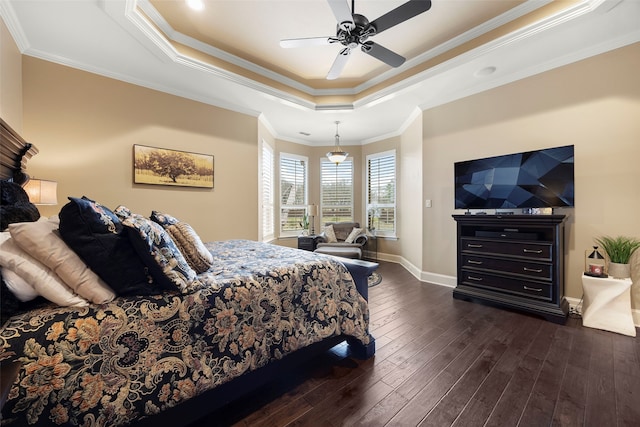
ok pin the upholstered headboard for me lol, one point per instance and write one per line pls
(14, 153)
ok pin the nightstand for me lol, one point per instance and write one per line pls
(308, 243)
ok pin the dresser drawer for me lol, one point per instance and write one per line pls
(536, 250)
(522, 267)
(536, 290)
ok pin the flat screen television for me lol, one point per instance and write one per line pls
(532, 179)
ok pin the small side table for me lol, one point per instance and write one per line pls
(607, 304)
(308, 243)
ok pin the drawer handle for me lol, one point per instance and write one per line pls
(526, 288)
(473, 246)
(532, 251)
(532, 270)
(470, 261)
(477, 279)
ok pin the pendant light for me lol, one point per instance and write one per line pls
(338, 155)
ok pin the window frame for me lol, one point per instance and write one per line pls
(295, 157)
(369, 207)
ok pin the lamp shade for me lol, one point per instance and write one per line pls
(337, 156)
(42, 192)
(313, 210)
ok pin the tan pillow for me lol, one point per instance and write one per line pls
(187, 240)
(191, 246)
(41, 240)
(353, 235)
(330, 233)
(44, 281)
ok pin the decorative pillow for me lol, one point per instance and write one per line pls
(158, 251)
(18, 286)
(187, 240)
(330, 233)
(353, 235)
(41, 240)
(96, 234)
(44, 281)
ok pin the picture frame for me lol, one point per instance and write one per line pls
(164, 166)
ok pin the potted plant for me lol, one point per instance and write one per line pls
(305, 224)
(619, 250)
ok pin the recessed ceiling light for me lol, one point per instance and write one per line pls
(195, 4)
(483, 72)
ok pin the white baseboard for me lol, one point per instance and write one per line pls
(450, 281)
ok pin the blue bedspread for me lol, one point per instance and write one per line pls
(115, 363)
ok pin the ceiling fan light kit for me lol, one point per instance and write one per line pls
(353, 30)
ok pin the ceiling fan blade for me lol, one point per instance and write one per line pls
(339, 63)
(308, 41)
(400, 14)
(383, 54)
(342, 12)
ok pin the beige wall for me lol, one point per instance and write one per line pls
(410, 200)
(10, 80)
(85, 127)
(593, 104)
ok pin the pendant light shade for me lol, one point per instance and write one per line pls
(338, 155)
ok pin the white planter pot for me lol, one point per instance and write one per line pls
(619, 271)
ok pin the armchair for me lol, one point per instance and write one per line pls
(340, 247)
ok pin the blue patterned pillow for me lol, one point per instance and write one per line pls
(158, 251)
(96, 234)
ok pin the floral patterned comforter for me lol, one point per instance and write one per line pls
(112, 364)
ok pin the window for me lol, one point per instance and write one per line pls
(381, 193)
(293, 193)
(336, 191)
(267, 197)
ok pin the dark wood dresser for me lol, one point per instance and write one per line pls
(514, 261)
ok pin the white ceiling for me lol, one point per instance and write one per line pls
(237, 66)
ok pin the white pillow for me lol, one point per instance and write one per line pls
(18, 286)
(353, 235)
(44, 281)
(330, 233)
(41, 241)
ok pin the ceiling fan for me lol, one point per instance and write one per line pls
(354, 30)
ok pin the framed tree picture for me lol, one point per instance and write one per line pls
(161, 166)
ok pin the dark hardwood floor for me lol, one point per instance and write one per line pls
(444, 362)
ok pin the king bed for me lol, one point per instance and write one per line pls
(170, 328)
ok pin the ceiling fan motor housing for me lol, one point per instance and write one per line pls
(357, 34)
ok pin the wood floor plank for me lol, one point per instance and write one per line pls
(508, 411)
(481, 405)
(541, 405)
(601, 404)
